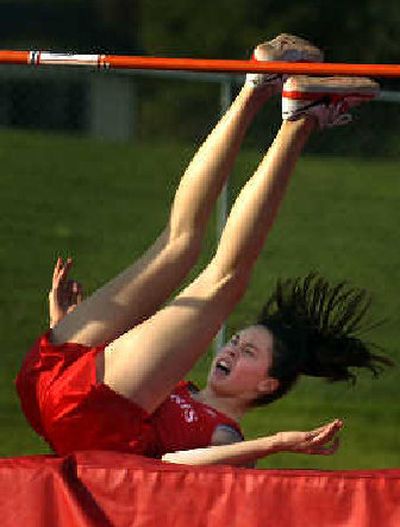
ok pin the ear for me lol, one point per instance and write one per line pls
(268, 385)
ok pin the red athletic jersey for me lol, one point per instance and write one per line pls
(66, 405)
(182, 423)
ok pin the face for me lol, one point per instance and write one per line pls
(240, 368)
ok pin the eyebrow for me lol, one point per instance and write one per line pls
(250, 345)
(244, 342)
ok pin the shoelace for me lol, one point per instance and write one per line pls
(331, 115)
(336, 115)
(341, 120)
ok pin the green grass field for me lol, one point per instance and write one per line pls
(105, 203)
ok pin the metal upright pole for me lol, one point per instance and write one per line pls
(222, 203)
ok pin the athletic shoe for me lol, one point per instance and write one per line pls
(283, 48)
(327, 98)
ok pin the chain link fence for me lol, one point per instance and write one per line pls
(173, 106)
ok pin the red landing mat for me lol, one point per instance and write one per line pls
(118, 490)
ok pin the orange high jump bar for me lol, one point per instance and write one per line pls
(38, 58)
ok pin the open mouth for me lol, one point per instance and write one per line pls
(222, 366)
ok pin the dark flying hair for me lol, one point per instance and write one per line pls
(316, 330)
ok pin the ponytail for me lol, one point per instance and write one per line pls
(316, 330)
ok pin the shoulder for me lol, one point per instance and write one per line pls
(225, 434)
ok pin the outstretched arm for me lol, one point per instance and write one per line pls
(321, 441)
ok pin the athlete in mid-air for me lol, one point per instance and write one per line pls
(108, 375)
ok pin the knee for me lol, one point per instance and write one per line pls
(186, 246)
(232, 283)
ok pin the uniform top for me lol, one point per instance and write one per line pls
(183, 423)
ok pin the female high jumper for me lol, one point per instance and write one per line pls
(108, 375)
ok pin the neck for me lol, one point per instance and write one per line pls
(232, 407)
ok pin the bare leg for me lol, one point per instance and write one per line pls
(145, 363)
(143, 287)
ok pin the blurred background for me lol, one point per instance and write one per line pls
(90, 160)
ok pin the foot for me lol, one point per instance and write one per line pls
(283, 48)
(328, 99)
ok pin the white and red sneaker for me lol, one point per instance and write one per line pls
(327, 98)
(283, 48)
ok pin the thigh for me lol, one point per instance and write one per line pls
(146, 363)
(132, 296)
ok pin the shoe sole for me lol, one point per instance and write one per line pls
(311, 88)
(288, 48)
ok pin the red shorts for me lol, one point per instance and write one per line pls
(67, 406)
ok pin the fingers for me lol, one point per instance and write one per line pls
(324, 433)
(332, 448)
(61, 270)
(77, 290)
(65, 294)
(323, 440)
(74, 293)
(335, 423)
(56, 273)
(324, 450)
(65, 269)
(57, 268)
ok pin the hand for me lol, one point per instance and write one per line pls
(322, 440)
(65, 294)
